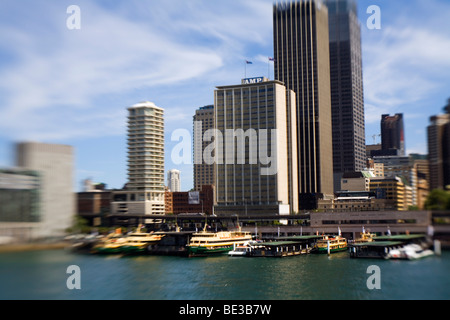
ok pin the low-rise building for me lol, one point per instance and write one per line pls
(351, 201)
(94, 205)
(193, 201)
(392, 189)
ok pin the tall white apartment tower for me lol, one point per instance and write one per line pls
(144, 194)
(54, 163)
(173, 180)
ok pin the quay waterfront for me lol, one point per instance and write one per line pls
(436, 223)
(41, 274)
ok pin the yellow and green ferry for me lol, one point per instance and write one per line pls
(336, 244)
(206, 243)
(111, 244)
(135, 242)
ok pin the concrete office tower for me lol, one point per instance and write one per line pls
(255, 149)
(144, 194)
(54, 163)
(439, 151)
(19, 204)
(203, 121)
(173, 180)
(392, 135)
(347, 97)
(302, 63)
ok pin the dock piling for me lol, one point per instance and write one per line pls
(437, 247)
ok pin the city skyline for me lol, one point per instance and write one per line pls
(73, 86)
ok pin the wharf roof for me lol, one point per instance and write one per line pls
(400, 237)
(278, 243)
(300, 238)
(377, 244)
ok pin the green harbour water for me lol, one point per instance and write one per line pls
(42, 275)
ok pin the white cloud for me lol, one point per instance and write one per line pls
(55, 84)
(404, 65)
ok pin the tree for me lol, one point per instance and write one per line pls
(438, 200)
(80, 225)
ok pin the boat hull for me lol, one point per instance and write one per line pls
(332, 250)
(208, 250)
(107, 250)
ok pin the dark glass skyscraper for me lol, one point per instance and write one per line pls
(392, 133)
(302, 63)
(439, 151)
(347, 96)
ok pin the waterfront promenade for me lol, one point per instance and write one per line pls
(33, 246)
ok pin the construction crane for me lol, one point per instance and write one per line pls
(375, 138)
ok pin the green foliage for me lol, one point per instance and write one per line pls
(438, 200)
(80, 225)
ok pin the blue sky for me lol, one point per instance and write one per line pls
(73, 86)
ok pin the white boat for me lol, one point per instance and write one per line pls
(410, 252)
(242, 250)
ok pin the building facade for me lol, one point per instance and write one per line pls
(302, 63)
(55, 165)
(439, 151)
(356, 181)
(174, 180)
(205, 204)
(255, 149)
(144, 193)
(392, 135)
(355, 201)
(203, 172)
(347, 92)
(19, 204)
(392, 189)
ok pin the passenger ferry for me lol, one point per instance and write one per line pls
(138, 242)
(111, 244)
(337, 244)
(205, 243)
(365, 237)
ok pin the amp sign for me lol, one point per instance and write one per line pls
(254, 80)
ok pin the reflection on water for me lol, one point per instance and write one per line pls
(42, 275)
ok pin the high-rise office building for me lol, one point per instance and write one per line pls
(144, 193)
(439, 151)
(392, 135)
(302, 63)
(347, 97)
(256, 170)
(173, 180)
(203, 172)
(54, 164)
